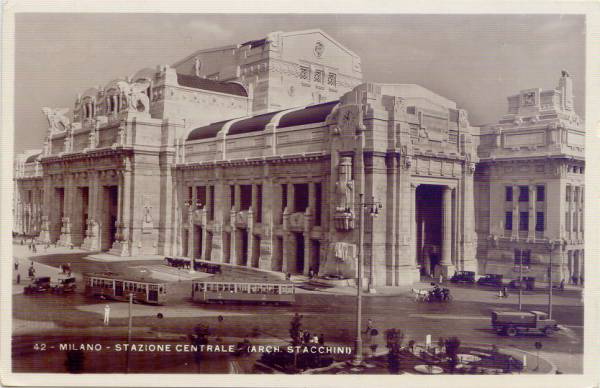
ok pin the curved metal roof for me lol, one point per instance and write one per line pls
(191, 81)
(251, 124)
(207, 131)
(32, 158)
(309, 115)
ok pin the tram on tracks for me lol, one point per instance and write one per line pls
(221, 290)
(118, 287)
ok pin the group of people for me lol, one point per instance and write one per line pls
(308, 338)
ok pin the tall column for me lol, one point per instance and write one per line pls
(92, 234)
(446, 268)
(532, 214)
(413, 222)
(65, 218)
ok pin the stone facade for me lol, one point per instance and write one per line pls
(271, 154)
(530, 187)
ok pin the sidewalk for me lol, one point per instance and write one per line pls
(22, 255)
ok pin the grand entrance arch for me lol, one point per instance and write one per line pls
(434, 229)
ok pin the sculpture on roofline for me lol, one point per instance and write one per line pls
(57, 119)
(135, 94)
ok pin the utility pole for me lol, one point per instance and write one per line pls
(552, 244)
(358, 357)
(129, 332)
(373, 207)
(520, 277)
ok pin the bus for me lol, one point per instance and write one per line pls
(118, 287)
(212, 290)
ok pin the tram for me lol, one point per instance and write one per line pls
(118, 287)
(213, 290)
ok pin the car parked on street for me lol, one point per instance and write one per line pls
(490, 279)
(528, 283)
(38, 285)
(463, 277)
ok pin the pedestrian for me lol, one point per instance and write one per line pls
(106, 314)
(561, 286)
(18, 278)
(311, 273)
(441, 278)
(306, 337)
(321, 339)
(288, 276)
(16, 265)
(369, 327)
(505, 292)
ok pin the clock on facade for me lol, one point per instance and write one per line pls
(528, 98)
(319, 49)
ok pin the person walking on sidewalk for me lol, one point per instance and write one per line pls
(106, 315)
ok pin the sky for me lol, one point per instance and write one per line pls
(475, 60)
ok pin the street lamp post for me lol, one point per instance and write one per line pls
(552, 245)
(520, 277)
(373, 208)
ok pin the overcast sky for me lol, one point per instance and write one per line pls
(475, 60)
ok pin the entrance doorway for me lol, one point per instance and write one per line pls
(243, 255)
(80, 225)
(315, 255)
(109, 227)
(197, 242)
(429, 227)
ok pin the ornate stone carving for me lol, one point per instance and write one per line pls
(463, 118)
(137, 100)
(407, 162)
(57, 120)
(296, 221)
(344, 191)
(147, 221)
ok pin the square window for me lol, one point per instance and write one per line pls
(318, 76)
(508, 194)
(524, 221)
(331, 79)
(508, 221)
(304, 73)
(541, 193)
(539, 222)
(523, 194)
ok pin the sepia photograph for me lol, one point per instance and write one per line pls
(311, 194)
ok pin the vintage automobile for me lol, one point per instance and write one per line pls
(512, 323)
(463, 277)
(64, 285)
(490, 279)
(528, 283)
(38, 285)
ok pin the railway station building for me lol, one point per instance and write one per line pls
(268, 154)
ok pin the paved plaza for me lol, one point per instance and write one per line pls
(76, 318)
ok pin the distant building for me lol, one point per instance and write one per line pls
(530, 187)
(257, 155)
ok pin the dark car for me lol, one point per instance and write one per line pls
(463, 277)
(37, 285)
(528, 283)
(490, 279)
